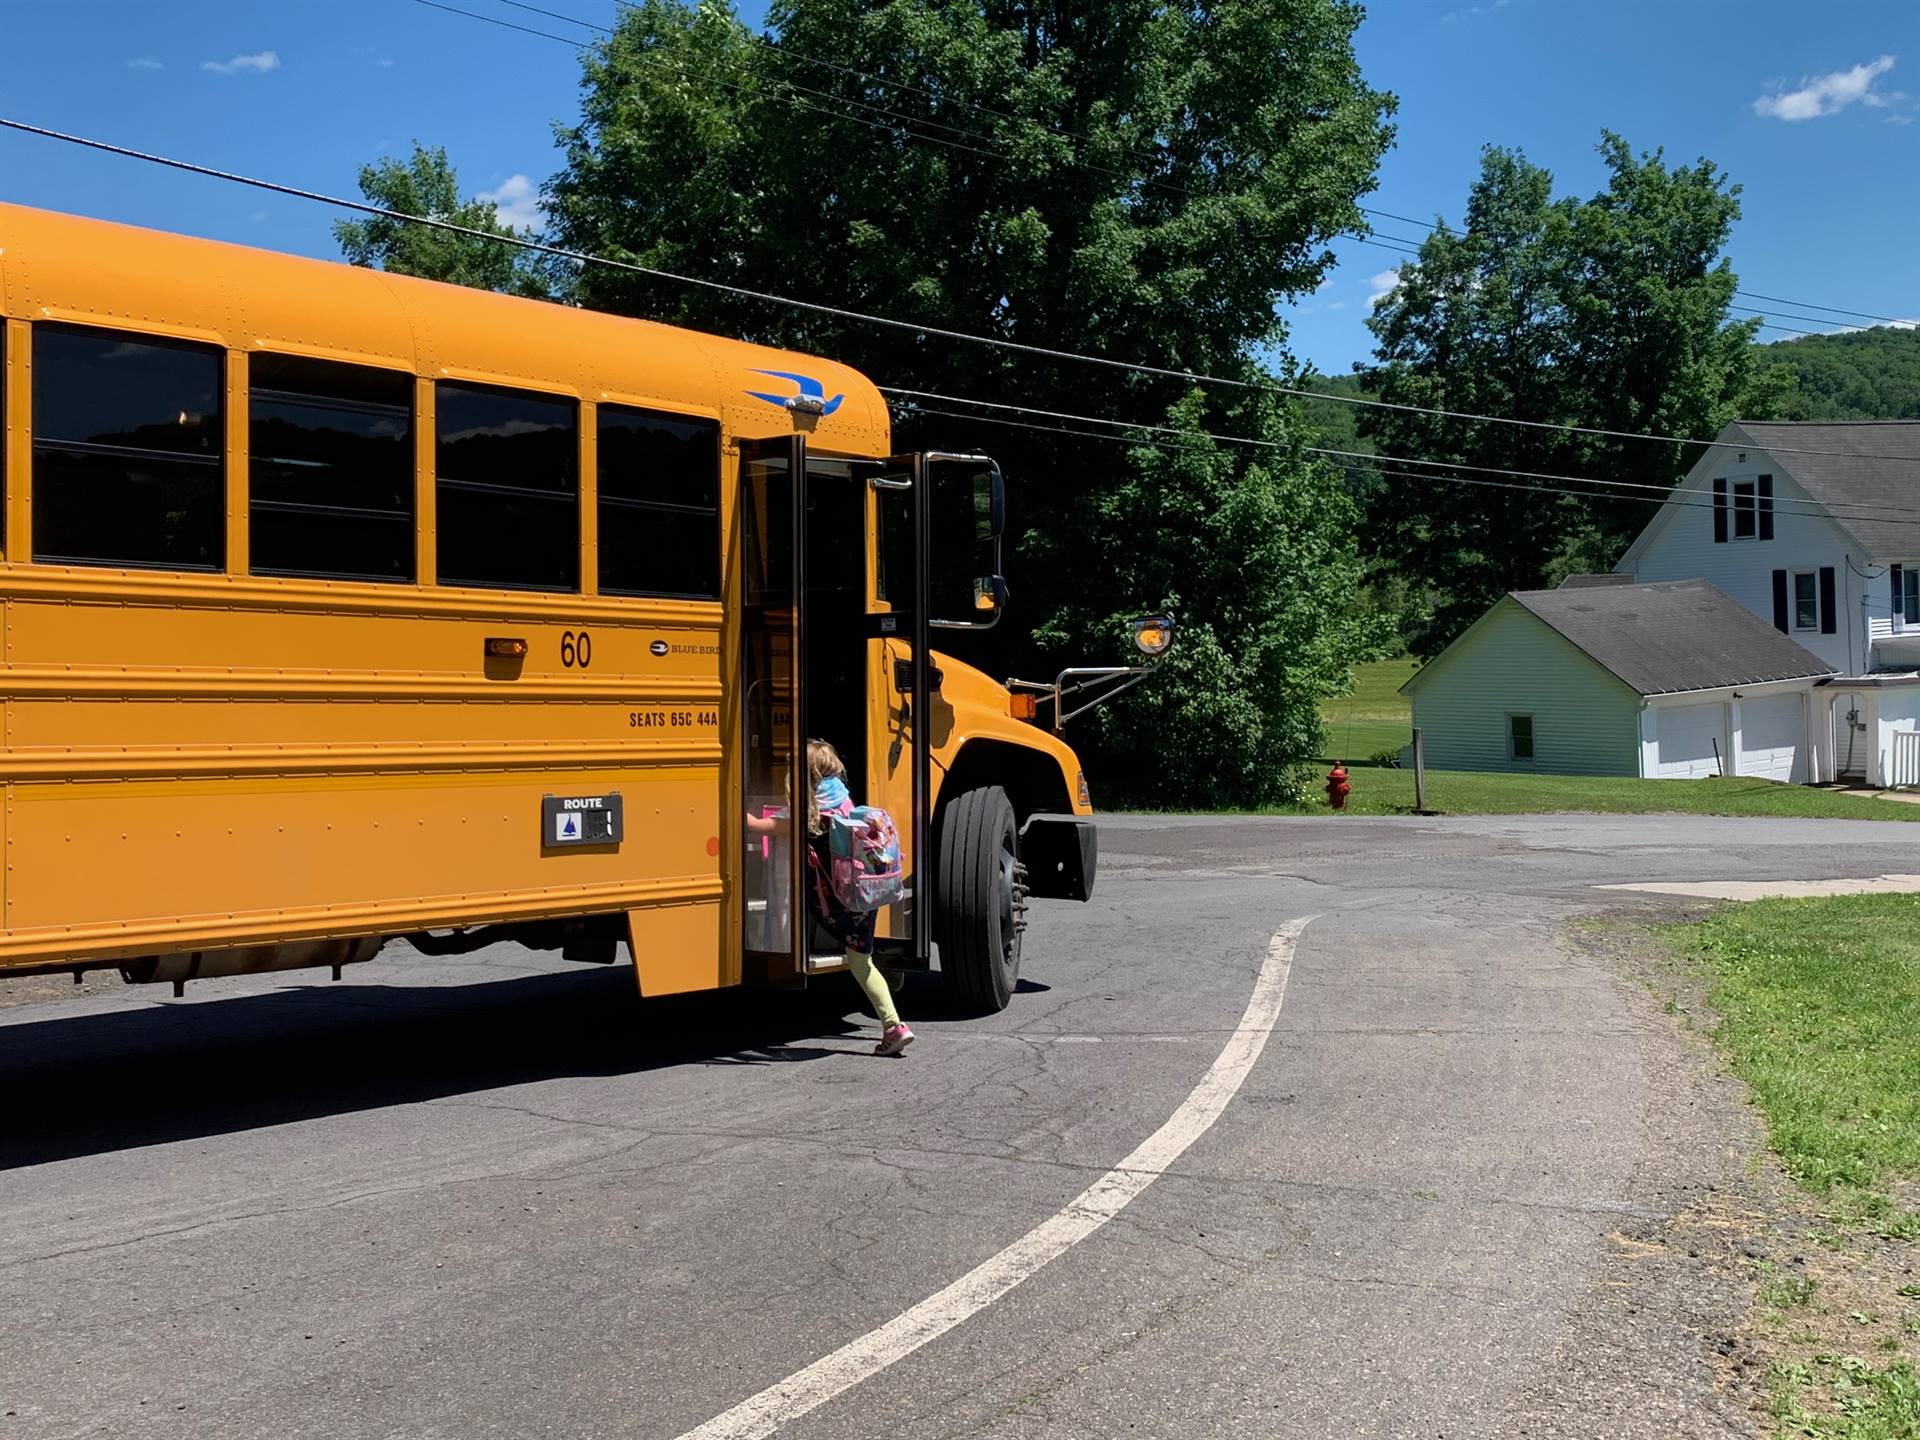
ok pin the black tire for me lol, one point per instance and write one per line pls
(980, 899)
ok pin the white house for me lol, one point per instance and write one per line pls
(1815, 527)
(1661, 681)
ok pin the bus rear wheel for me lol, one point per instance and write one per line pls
(980, 903)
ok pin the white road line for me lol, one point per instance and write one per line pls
(861, 1359)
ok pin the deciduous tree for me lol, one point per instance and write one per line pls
(1610, 313)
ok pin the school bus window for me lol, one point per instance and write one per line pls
(659, 504)
(127, 451)
(507, 483)
(331, 459)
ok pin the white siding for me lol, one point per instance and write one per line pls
(1678, 545)
(1585, 722)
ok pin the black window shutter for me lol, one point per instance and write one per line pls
(1720, 512)
(1780, 601)
(1829, 622)
(1764, 491)
(1898, 609)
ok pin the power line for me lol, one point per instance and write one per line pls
(1398, 244)
(1843, 509)
(766, 42)
(1018, 347)
(1830, 309)
(661, 63)
(1349, 466)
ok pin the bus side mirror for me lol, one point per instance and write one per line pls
(1153, 635)
(966, 498)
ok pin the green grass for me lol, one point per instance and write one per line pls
(1378, 791)
(1859, 1401)
(1820, 1014)
(1374, 717)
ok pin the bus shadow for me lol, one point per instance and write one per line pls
(97, 1083)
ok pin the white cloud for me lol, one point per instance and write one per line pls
(258, 63)
(516, 201)
(1384, 284)
(1828, 94)
(145, 62)
(1336, 305)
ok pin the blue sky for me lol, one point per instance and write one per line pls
(1810, 108)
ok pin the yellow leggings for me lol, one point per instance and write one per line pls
(875, 984)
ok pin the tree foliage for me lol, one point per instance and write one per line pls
(1137, 181)
(1863, 375)
(425, 185)
(1610, 313)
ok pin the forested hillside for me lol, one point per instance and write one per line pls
(1862, 375)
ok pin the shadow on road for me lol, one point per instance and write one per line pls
(95, 1083)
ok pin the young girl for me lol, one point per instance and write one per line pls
(826, 793)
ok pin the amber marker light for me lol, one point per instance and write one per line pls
(1023, 707)
(501, 648)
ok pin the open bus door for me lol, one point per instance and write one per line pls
(805, 631)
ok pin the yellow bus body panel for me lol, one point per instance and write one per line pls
(198, 761)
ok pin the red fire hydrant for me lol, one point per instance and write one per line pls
(1337, 787)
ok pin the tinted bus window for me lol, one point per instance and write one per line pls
(659, 504)
(128, 437)
(507, 478)
(331, 463)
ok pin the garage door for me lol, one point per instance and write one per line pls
(1685, 738)
(1772, 736)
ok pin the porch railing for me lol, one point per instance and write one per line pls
(1904, 768)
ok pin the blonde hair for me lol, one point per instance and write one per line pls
(822, 760)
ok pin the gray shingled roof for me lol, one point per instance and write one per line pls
(1679, 635)
(1859, 473)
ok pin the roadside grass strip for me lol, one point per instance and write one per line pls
(1819, 1013)
(1381, 791)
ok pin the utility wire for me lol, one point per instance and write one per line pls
(1350, 466)
(1842, 509)
(1399, 244)
(1061, 131)
(1017, 347)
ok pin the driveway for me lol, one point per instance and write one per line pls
(1435, 1190)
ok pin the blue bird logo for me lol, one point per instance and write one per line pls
(809, 389)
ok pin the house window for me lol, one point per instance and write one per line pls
(1520, 737)
(1806, 600)
(1745, 508)
(1910, 596)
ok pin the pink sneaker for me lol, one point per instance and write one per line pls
(894, 1039)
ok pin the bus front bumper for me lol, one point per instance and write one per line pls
(1061, 854)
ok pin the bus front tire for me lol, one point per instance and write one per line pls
(981, 900)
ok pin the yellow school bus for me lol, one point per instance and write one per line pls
(342, 607)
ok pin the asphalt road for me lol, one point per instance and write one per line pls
(495, 1196)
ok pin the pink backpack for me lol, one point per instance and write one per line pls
(865, 849)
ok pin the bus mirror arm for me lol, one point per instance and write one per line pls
(1093, 685)
(1074, 684)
